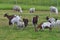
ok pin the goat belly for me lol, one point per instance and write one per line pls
(46, 27)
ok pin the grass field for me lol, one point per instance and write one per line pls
(34, 2)
(26, 4)
(12, 33)
(42, 10)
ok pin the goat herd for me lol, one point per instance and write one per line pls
(22, 23)
(32, 10)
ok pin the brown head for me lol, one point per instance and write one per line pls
(25, 21)
(47, 17)
(36, 16)
(5, 15)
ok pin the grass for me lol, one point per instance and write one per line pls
(34, 2)
(26, 4)
(12, 33)
(24, 7)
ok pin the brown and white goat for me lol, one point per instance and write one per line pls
(10, 17)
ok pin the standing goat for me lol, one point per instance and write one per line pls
(10, 17)
(34, 21)
(14, 19)
(25, 21)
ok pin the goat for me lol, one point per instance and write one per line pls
(16, 19)
(17, 8)
(54, 21)
(32, 10)
(25, 21)
(53, 9)
(44, 25)
(20, 24)
(10, 17)
(34, 21)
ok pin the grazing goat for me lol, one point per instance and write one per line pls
(53, 9)
(44, 25)
(50, 19)
(32, 10)
(35, 20)
(25, 21)
(17, 8)
(54, 21)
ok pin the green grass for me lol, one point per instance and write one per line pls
(26, 4)
(34, 2)
(12, 33)
(24, 7)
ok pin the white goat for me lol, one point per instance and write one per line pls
(54, 21)
(51, 19)
(57, 23)
(20, 24)
(54, 9)
(17, 8)
(32, 10)
(50, 25)
(46, 25)
(16, 19)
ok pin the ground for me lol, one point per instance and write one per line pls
(12, 33)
